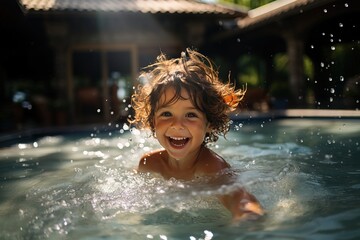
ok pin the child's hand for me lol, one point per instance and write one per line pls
(249, 211)
(242, 205)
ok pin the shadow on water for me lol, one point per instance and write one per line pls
(19, 174)
(17, 168)
(190, 216)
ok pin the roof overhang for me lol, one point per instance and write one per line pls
(133, 6)
(277, 10)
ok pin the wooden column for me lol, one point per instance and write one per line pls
(295, 51)
(58, 38)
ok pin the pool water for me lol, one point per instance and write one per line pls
(82, 185)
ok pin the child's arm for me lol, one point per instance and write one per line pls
(242, 204)
(239, 202)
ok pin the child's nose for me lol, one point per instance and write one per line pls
(177, 124)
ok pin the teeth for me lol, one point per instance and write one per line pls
(178, 138)
(178, 141)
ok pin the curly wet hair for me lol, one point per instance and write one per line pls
(196, 74)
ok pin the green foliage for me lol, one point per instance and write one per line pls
(280, 84)
(251, 70)
(308, 67)
(247, 3)
(346, 59)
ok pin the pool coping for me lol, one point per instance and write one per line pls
(25, 134)
(295, 113)
(239, 115)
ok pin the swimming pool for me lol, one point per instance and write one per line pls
(81, 185)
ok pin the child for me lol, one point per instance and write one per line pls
(185, 106)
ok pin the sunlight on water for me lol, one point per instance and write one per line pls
(85, 185)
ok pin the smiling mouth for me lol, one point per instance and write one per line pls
(178, 141)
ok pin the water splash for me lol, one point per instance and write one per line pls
(86, 185)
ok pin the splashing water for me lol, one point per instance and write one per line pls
(83, 186)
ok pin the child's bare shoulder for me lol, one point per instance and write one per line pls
(151, 162)
(211, 163)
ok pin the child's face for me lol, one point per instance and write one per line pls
(180, 128)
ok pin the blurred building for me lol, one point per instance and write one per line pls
(76, 61)
(306, 53)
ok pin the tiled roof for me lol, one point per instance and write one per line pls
(137, 6)
(277, 9)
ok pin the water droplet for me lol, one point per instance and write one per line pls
(322, 64)
(57, 227)
(208, 235)
(21, 212)
(346, 5)
(333, 48)
(238, 39)
(332, 90)
(328, 156)
(126, 127)
(325, 10)
(98, 110)
(330, 79)
(341, 25)
(312, 46)
(22, 146)
(331, 99)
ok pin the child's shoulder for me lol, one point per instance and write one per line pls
(154, 154)
(150, 161)
(210, 163)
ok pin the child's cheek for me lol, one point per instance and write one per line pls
(160, 123)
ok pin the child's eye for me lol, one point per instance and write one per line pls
(191, 115)
(165, 114)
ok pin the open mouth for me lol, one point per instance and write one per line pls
(178, 141)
